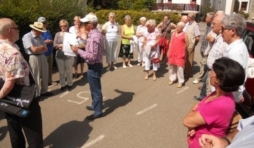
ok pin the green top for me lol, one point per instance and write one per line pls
(128, 31)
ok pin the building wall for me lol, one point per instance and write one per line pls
(248, 8)
(179, 1)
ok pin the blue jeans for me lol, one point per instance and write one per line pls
(94, 80)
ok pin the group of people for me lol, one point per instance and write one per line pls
(14, 69)
(223, 73)
(84, 42)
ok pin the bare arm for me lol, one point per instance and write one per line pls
(186, 41)
(193, 119)
(7, 87)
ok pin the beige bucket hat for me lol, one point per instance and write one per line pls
(38, 26)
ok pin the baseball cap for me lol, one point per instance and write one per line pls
(42, 19)
(89, 18)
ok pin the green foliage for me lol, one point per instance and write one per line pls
(204, 11)
(135, 16)
(245, 15)
(137, 5)
(25, 12)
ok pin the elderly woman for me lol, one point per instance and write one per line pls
(179, 43)
(165, 27)
(214, 113)
(127, 33)
(141, 30)
(78, 60)
(152, 51)
(110, 29)
(64, 63)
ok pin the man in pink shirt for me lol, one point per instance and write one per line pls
(93, 56)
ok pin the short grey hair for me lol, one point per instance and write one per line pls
(4, 25)
(181, 24)
(111, 14)
(151, 22)
(235, 21)
(127, 17)
(142, 19)
(192, 15)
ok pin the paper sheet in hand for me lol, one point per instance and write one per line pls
(69, 39)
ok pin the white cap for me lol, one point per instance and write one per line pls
(89, 18)
(41, 19)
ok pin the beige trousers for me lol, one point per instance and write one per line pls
(189, 61)
(39, 67)
(176, 72)
(65, 69)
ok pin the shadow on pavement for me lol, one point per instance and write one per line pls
(4, 129)
(123, 99)
(69, 135)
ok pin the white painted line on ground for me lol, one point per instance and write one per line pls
(84, 99)
(146, 109)
(93, 141)
(65, 93)
(182, 90)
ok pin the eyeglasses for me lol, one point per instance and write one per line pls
(63, 26)
(112, 17)
(225, 28)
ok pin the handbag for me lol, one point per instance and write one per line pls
(155, 60)
(20, 95)
(18, 101)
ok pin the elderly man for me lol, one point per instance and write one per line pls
(193, 33)
(217, 50)
(49, 53)
(15, 70)
(204, 45)
(35, 47)
(232, 29)
(93, 56)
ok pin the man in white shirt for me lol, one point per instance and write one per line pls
(232, 29)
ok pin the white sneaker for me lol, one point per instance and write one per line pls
(115, 67)
(124, 66)
(196, 81)
(130, 65)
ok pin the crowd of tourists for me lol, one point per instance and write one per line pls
(222, 67)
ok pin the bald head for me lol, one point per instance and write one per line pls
(220, 13)
(5, 23)
(184, 19)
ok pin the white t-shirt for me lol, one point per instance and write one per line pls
(141, 29)
(111, 31)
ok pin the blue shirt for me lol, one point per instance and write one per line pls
(47, 36)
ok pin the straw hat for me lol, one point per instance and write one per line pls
(38, 26)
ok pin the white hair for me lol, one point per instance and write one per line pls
(127, 17)
(181, 24)
(111, 14)
(142, 19)
(151, 22)
(235, 21)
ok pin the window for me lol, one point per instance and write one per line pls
(244, 6)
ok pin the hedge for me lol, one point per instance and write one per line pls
(135, 16)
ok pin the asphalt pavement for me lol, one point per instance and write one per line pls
(138, 113)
